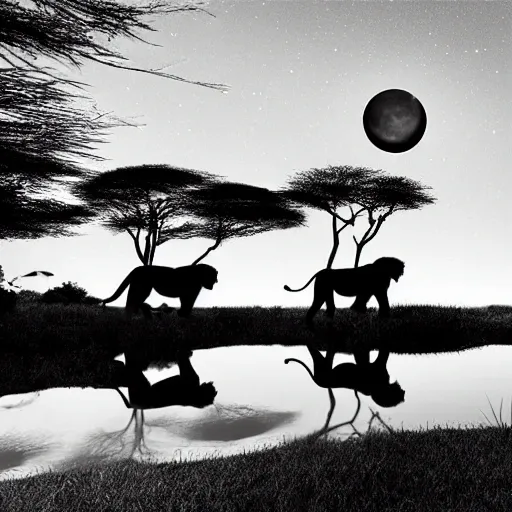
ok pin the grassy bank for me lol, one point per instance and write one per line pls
(436, 470)
(411, 329)
(440, 469)
(62, 346)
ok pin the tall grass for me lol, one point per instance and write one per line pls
(411, 329)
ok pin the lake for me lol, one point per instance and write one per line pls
(260, 402)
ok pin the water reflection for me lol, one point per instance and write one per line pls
(87, 434)
(371, 379)
(183, 389)
(259, 402)
(16, 451)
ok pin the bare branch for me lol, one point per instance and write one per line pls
(72, 31)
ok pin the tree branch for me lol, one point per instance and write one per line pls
(210, 249)
(136, 242)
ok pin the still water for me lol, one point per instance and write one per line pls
(260, 402)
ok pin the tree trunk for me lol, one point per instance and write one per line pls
(359, 249)
(136, 242)
(147, 249)
(335, 242)
(153, 246)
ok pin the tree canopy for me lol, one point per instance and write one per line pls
(330, 189)
(143, 198)
(384, 195)
(232, 210)
(26, 217)
(43, 129)
(361, 190)
(47, 124)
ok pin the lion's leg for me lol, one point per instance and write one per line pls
(382, 299)
(138, 387)
(318, 300)
(187, 372)
(360, 302)
(130, 310)
(382, 358)
(137, 294)
(362, 356)
(187, 302)
(331, 308)
(146, 310)
(322, 366)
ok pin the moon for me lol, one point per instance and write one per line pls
(394, 121)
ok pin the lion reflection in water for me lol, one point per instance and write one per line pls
(184, 389)
(370, 379)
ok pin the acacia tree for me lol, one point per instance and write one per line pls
(44, 125)
(384, 195)
(142, 199)
(331, 189)
(234, 210)
(363, 191)
(40, 131)
(39, 114)
(23, 216)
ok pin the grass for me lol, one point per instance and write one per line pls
(437, 469)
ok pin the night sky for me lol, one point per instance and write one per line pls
(300, 76)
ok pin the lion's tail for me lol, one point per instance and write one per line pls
(121, 289)
(288, 289)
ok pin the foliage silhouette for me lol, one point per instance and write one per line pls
(67, 293)
(383, 196)
(143, 198)
(23, 216)
(45, 125)
(73, 32)
(330, 189)
(234, 210)
(362, 191)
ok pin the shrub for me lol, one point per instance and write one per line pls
(54, 297)
(25, 296)
(90, 300)
(66, 293)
